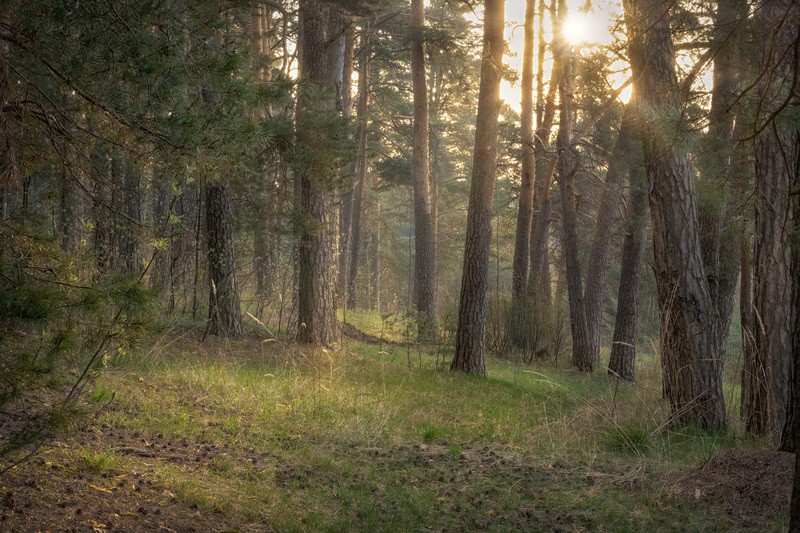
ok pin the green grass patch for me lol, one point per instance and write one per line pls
(384, 438)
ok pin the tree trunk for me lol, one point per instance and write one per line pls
(425, 254)
(316, 178)
(718, 225)
(69, 211)
(520, 303)
(773, 168)
(567, 167)
(346, 212)
(608, 214)
(622, 363)
(791, 429)
(224, 310)
(9, 170)
(689, 329)
(161, 275)
(471, 332)
(102, 213)
(357, 207)
(128, 215)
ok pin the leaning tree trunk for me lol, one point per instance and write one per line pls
(689, 336)
(622, 363)
(519, 279)
(471, 332)
(425, 255)
(224, 310)
(316, 180)
(608, 214)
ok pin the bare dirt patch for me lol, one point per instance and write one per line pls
(754, 487)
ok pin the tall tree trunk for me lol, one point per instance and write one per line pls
(128, 216)
(773, 169)
(539, 275)
(791, 429)
(567, 167)
(425, 255)
(161, 275)
(224, 309)
(623, 347)
(689, 336)
(790, 440)
(717, 212)
(471, 332)
(69, 212)
(9, 170)
(520, 303)
(102, 213)
(346, 212)
(316, 179)
(376, 264)
(361, 168)
(608, 215)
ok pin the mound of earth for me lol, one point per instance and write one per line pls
(352, 332)
(754, 486)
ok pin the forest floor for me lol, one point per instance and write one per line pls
(262, 435)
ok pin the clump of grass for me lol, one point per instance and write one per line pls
(103, 462)
(430, 433)
(629, 439)
(100, 393)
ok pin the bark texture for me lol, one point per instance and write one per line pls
(691, 358)
(719, 224)
(471, 332)
(622, 363)
(316, 172)
(9, 169)
(774, 166)
(424, 253)
(224, 310)
(519, 280)
(608, 215)
(357, 209)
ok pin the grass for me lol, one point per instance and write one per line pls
(386, 440)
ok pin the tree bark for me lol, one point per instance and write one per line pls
(689, 329)
(471, 331)
(622, 363)
(539, 275)
(717, 211)
(224, 310)
(424, 253)
(361, 169)
(520, 303)
(608, 215)
(773, 168)
(316, 174)
(567, 168)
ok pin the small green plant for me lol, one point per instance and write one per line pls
(629, 439)
(103, 462)
(101, 393)
(430, 433)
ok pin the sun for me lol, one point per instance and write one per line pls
(576, 28)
